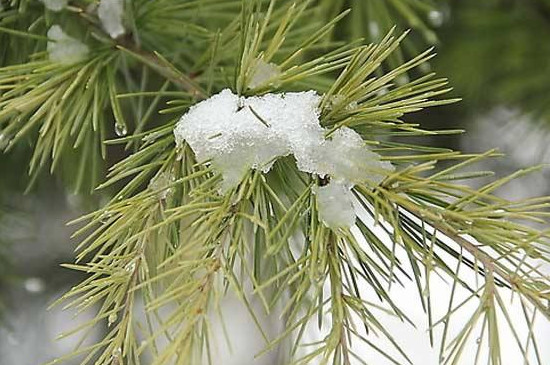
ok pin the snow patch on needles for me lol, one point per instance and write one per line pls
(110, 14)
(236, 134)
(335, 204)
(63, 48)
(55, 5)
(346, 157)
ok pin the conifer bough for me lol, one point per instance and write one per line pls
(260, 216)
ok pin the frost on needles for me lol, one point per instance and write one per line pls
(236, 134)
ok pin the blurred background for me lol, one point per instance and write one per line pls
(496, 55)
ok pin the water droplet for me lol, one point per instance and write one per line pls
(34, 285)
(478, 340)
(111, 319)
(121, 130)
(435, 18)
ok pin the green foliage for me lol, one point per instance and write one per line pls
(15, 19)
(76, 107)
(64, 102)
(168, 238)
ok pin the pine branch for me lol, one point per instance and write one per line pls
(406, 204)
(178, 236)
(127, 44)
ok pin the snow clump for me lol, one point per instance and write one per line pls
(236, 134)
(110, 14)
(335, 203)
(55, 5)
(63, 48)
